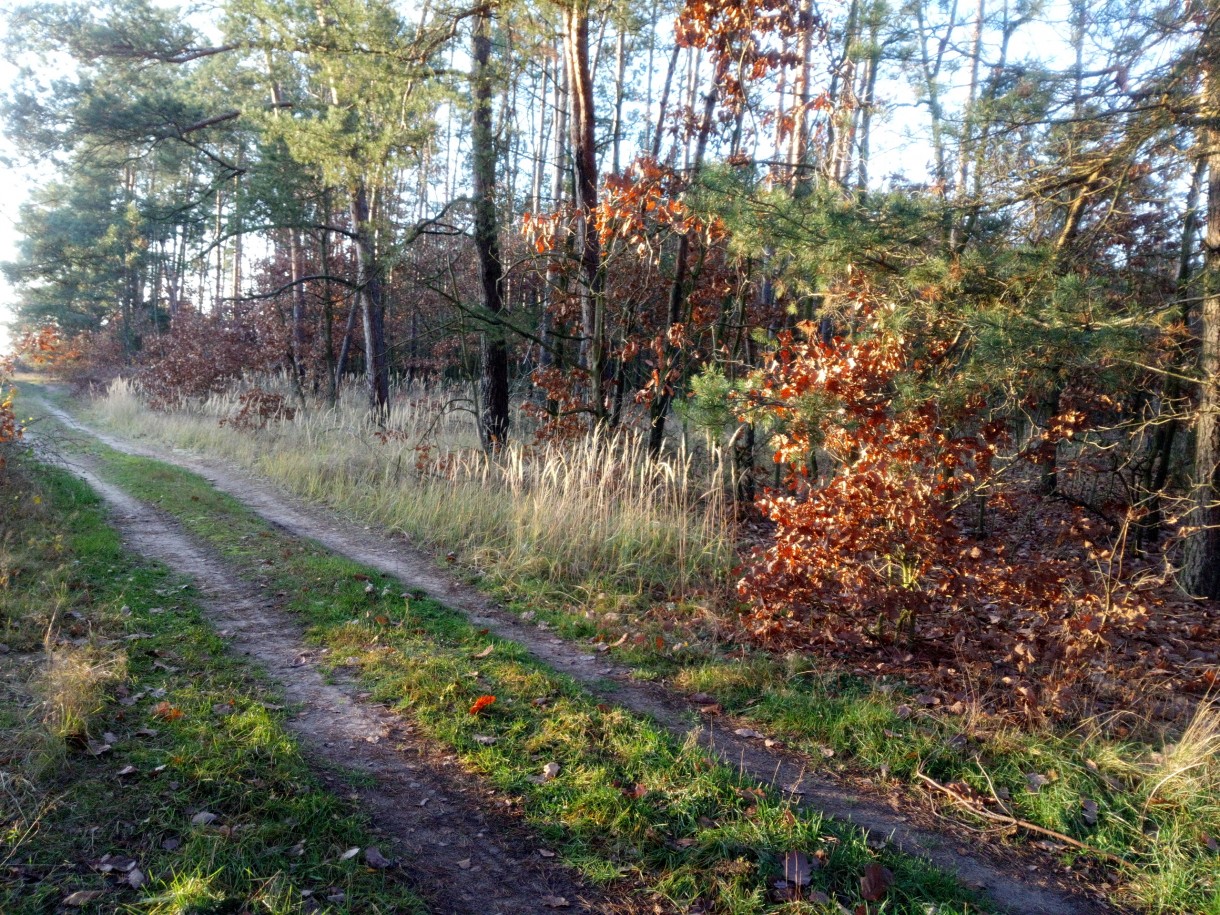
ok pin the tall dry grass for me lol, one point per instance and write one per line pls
(581, 518)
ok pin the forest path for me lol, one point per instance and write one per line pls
(462, 855)
(1012, 882)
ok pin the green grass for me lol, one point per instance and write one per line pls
(629, 801)
(873, 727)
(279, 833)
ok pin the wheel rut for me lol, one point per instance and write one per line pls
(458, 852)
(1022, 887)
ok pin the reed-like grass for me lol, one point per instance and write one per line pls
(579, 518)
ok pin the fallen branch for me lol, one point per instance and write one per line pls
(1004, 818)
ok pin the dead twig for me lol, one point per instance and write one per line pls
(986, 814)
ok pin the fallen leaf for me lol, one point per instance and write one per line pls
(486, 652)
(223, 708)
(484, 740)
(550, 770)
(555, 902)
(546, 853)
(797, 868)
(876, 882)
(127, 770)
(83, 897)
(166, 712)
(204, 818)
(748, 732)
(375, 859)
(93, 748)
(1036, 781)
(350, 853)
(464, 864)
(481, 703)
(903, 712)
(171, 844)
(1088, 808)
(136, 878)
(146, 732)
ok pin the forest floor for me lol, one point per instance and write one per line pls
(484, 798)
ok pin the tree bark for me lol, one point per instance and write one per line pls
(584, 155)
(678, 293)
(493, 417)
(371, 298)
(1201, 561)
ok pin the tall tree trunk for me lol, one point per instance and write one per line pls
(584, 156)
(616, 127)
(493, 419)
(678, 293)
(371, 298)
(658, 129)
(296, 260)
(1201, 562)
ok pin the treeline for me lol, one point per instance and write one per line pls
(616, 211)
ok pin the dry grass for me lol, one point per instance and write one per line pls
(72, 687)
(580, 518)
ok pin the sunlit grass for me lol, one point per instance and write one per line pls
(1155, 792)
(579, 517)
(71, 603)
(628, 799)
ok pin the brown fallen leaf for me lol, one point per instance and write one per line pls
(486, 652)
(797, 868)
(83, 897)
(1088, 808)
(1035, 781)
(223, 708)
(876, 882)
(93, 748)
(166, 712)
(375, 859)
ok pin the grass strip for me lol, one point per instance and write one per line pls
(1148, 798)
(607, 791)
(174, 787)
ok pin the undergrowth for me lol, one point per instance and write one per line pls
(110, 748)
(1147, 798)
(623, 799)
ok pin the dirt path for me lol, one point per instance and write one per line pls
(1013, 884)
(461, 856)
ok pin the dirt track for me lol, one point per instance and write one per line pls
(334, 722)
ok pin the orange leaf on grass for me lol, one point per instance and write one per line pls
(166, 712)
(481, 703)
